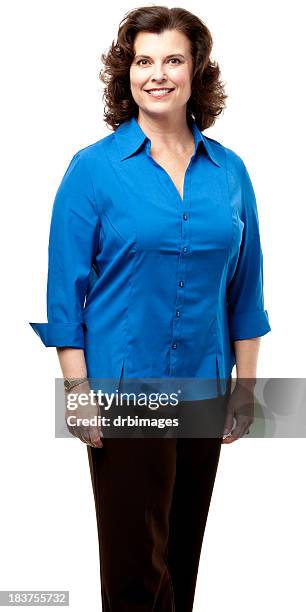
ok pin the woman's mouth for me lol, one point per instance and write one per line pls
(160, 93)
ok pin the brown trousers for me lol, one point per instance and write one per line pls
(152, 497)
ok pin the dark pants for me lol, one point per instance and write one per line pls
(152, 498)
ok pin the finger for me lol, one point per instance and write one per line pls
(235, 435)
(85, 434)
(94, 436)
(239, 431)
(229, 439)
(81, 434)
(228, 425)
(244, 426)
(100, 433)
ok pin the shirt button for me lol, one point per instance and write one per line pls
(177, 313)
(174, 345)
(185, 216)
(185, 249)
(181, 283)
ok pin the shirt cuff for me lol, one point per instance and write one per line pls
(249, 324)
(60, 334)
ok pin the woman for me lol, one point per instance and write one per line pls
(155, 228)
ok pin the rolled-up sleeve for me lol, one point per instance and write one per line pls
(247, 315)
(73, 244)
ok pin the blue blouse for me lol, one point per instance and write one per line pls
(147, 283)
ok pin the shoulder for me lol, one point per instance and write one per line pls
(84, 166)
(96, 148)
(238, 176)
(227, 157)
(91, 156)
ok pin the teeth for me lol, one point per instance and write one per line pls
(158, 92)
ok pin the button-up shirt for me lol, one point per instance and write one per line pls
(148, 283)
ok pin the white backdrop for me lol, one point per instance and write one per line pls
(254, 544)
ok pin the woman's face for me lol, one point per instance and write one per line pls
(161, 60)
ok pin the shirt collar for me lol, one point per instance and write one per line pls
(130, 137)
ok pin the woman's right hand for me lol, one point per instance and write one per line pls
(80, 411)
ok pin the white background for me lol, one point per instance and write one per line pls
(254, 545)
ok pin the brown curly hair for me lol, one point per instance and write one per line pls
(207, 98)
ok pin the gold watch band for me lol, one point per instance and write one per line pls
(70, 383)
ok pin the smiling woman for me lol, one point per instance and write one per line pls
(156, 272)
(162, 73)
(181, 45)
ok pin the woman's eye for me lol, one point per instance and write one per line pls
(175, 59)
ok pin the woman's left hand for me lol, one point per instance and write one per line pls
(241, 407)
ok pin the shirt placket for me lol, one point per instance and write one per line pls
(176, 353)
(176, 349)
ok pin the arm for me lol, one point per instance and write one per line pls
(248, 319)
(246, 352)
(73, 365)
(72, 362)
(241, 401)
(73, 245)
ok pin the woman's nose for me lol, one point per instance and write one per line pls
(158, 73)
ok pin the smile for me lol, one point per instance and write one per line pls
(159, 93)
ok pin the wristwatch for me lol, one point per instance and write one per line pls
(69, 383)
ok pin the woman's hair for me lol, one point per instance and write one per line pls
(207, 98)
